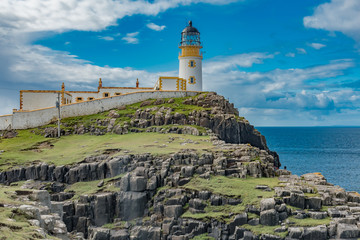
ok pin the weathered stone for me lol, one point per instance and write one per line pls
(269, 217)
(137, 183)
(295, 232)
(347, 231)
(122, 234)
(313, 203)
(317, 215)
(267, 204)
(297, 199)
(42, 196)
(131, 205)
(173, 211)
(99, 234)
(318, 233)
(104, 208)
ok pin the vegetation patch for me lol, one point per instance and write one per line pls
(243, 188)
(308, 222)
(261, 229)
(203, 236)
(74, 148)
(89, 188)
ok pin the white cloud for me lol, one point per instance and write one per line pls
(87, 15)
(155, 27)
(290, 54)
(337, 15)
(224, 63)
(107, 38)
(131, 38)
(301, 50)
(317, 46)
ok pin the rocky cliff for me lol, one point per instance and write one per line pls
(223, 184)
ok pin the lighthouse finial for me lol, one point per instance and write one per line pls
(190, 23)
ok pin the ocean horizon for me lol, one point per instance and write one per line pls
(333, 151)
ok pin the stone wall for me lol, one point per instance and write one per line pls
(5, 121)
(31, 119)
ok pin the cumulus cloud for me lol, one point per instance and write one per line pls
(107, 38)
(281, 91)
(337, 15)
(155, 27)
(317, 46)
(131, 38)
(301, 50)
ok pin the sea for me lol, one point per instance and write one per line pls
(332, 151)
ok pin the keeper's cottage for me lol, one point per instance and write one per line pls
(189, 79)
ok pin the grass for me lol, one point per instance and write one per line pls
(203, 236)
(230, 187)
(235, 187)
(89, 188)
(220, 213)
(308, 222)
(24, 150)
(8, 194)
(261, 229)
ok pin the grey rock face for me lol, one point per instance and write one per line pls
(314, 203)
(318, 233)
(131, 205)
(297, 199)
(103, 208)
(138, 183)
(269, 217)
(173, 211)
(347, 231)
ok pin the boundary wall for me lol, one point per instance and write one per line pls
(40, 117)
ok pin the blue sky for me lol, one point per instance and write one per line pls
(283, 63)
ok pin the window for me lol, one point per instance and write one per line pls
(90, 98)
(192, 80)
(192, 63)
(117, 94)
(79, 99)
(106, 94)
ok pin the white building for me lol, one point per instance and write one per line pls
(189, 79)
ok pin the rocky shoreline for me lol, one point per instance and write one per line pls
(232, 191)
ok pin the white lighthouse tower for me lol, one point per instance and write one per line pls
(190, 58)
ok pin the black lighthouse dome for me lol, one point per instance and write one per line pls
(190, 36)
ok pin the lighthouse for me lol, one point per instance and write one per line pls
(190, 58)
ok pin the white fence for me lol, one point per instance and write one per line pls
(36, 118)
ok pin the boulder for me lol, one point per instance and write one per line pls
(173, 211)
(318, 233)
(99, 234)
(122, 234)
(313, 203)
(347, 231)
(267, 204)
(269, 217)
(297, 199)
(138, 183)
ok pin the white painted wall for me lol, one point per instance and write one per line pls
(168, 84)
(112, 91)
(186, 72)
(37, 100)
(31, 119)
(5, 121)
(84, 95)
